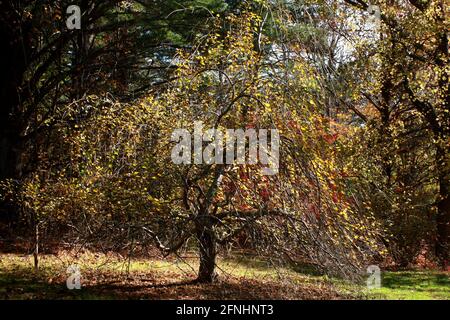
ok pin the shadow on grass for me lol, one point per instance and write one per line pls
(256, 263)
(421, 281)
(23, 283)
(307, 269)
(21, 287)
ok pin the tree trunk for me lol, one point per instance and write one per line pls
(13, 63)
(207, 247)
(443, 208)
(10, 168)
(36, 247)
(442, 151)
(11, 154)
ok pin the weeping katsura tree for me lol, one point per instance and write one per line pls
(147, 173)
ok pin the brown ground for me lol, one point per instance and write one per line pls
(112, 277)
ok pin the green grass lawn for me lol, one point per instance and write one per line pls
(112, 277)
(413, 285)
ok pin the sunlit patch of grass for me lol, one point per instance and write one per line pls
(413, 285)
(402, 285)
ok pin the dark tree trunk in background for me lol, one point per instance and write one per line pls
(14, 57)
(443, 208)
(10, 154)
(12, 65)
(442, 150)
(207, 247)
